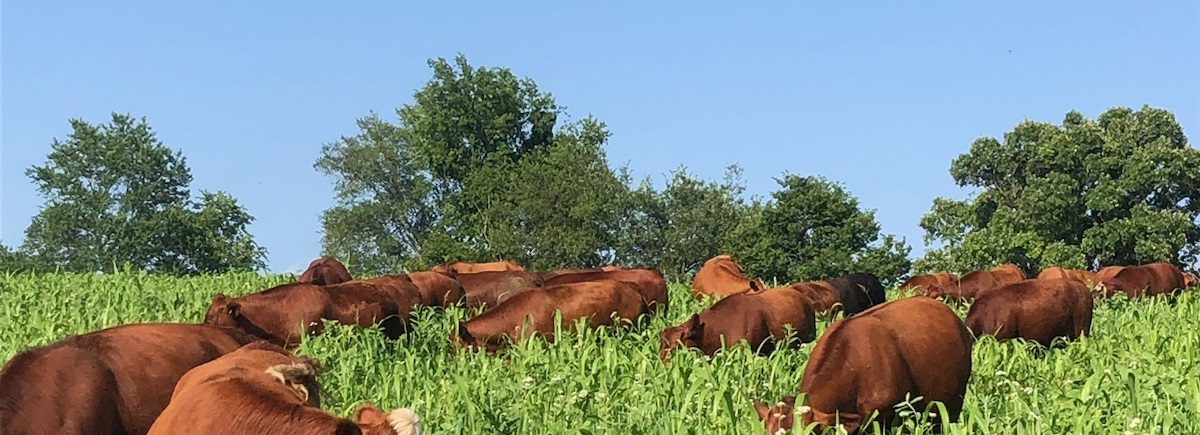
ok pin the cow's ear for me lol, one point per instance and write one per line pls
(234, 309)
(370, 415)
(762, 409)
(695, 326)
(789, 401)
(756, 285)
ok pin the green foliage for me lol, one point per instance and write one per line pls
(1136, 372)
(115, 195)
(1120, 189)
(814, 229)
(473, 170)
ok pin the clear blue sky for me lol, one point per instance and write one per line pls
(880, 98)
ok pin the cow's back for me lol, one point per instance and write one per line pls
(325, 271)
(438, 289)
(132, 367)
(1167, 278)
(489, 289)
(59, 390)
(649, 283)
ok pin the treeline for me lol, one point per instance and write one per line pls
(480, 165)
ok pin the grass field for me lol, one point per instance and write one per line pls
(1139, 372)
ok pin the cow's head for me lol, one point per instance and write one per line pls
(686, 334)
(777, 419)
(223, 311)
(372, 421)
(462, 338)
(1190, 280)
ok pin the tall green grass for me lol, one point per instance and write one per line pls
(1139, 372)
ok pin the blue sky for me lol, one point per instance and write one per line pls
(880, 98)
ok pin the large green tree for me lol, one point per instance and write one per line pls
(812, 228)
(475, 168)
(116, 196)
(1123, 188)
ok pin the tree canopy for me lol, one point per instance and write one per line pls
(116, 196)
(1119, 189)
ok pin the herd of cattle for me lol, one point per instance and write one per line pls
(237, 373)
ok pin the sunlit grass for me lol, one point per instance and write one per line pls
(1138, 372)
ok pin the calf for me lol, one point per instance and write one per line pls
(858, 291)
(1135, 281)
(649, 283)
(438, 289)
(283, 313)
(258, 390)
(761, 318)
(912, 346)
(721, 276)
(114, 381)
(1037, 310)
(600, 301)
(325, 271)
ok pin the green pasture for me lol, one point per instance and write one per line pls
(1138, 373)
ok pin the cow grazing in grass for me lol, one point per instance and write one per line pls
(649, 283)
(971, 284)
(489, 289)
(761, 318)
(114, 381)
(325, 271)
(1037, 310)
(1136, 281)
(465, 267)
(266, 390)
(930, 284)
(824, 296)
(722, 276)
(282, 314)
(438, 289)
(914, 346)
(858, 292)
(603, 302)
(1085, 277)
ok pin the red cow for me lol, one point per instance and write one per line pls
(931, 284)
(325, 271)
(532, 312)
(913, 346)
(438, 289)
(1037, 310)
(259, 390)
(721, 276)
(465, 267)
(489, 289)
(283, 313)
(1135, 281)
(649, 283)
(1085, 277)
(823, 295)
(761, 318)
(114, 381)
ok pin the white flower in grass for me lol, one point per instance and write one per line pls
(1133, 424)
(1028, 390)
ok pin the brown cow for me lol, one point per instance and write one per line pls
(971, 284)
(930, 284)
(599, 300)
(111, 381)
(257, 390)
(438, 289)
(489, 289)
(649, 282)
(1135, 281)
(871, 361)
(1085, 277)
(1037, 310)
(823, 295)
(721, 276)
(761, 318)
(283, 313)
(465, 267)
(325, 271)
